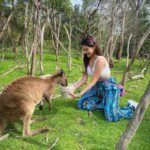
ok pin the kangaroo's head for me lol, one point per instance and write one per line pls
(61, 78)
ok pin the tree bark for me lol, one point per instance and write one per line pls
(55, 32)
(119, 53)
(42, 41)
(15, 50)
(114, 9)
(69, 46)
(25, 29)
(34, 46)
(135, 122)
(125, 75)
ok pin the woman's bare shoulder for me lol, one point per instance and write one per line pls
(102, 58)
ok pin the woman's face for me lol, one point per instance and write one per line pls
(89, 51)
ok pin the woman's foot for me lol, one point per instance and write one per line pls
(132, 104)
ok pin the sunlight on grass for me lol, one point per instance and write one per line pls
(93, 133)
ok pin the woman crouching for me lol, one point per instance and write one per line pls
(102, 93)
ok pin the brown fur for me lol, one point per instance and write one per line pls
(18, 100)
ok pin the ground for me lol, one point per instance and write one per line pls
(73, 127)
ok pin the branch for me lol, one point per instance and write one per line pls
(141, 42)
(3, 137)
(6, 73)
(6, 24)
(53, 144)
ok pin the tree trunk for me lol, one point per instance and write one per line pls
(25, 28)
(42, 41)
(136, 8)
(125, 75)
(34, 46)
(69, 46)
(55, 32)
(135, 122)
(111, 34)
(58, 32)
(132, 51)
(119, 53)
(15, 50)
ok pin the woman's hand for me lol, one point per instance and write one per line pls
(73, 95)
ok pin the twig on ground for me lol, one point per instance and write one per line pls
(81, 147)
(132, 86)
(53, 143)
(46, 138)
(136, 77)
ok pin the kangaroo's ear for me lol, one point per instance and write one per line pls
(62, 72)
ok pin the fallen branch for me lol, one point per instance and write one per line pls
(139, 76)
(136, 77)
(3, 137)
(53, 144)
(6, 73)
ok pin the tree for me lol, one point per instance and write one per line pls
(121, 42)
(135, 122)
(34, 46)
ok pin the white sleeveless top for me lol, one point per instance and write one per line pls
(105, 73)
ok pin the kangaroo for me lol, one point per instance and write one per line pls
(19, 99)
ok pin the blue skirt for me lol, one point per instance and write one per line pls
(105, 96)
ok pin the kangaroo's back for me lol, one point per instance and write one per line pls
(20, 97)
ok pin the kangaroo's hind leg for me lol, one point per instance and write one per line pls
(3, 125)
(26, 127)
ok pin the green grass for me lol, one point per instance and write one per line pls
(94, 133)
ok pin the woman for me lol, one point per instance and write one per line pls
(101, 93)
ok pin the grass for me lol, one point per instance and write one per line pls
(73, 127)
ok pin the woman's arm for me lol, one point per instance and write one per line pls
(82, 81)
(98, 70)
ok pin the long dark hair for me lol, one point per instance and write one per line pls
(90, 42)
